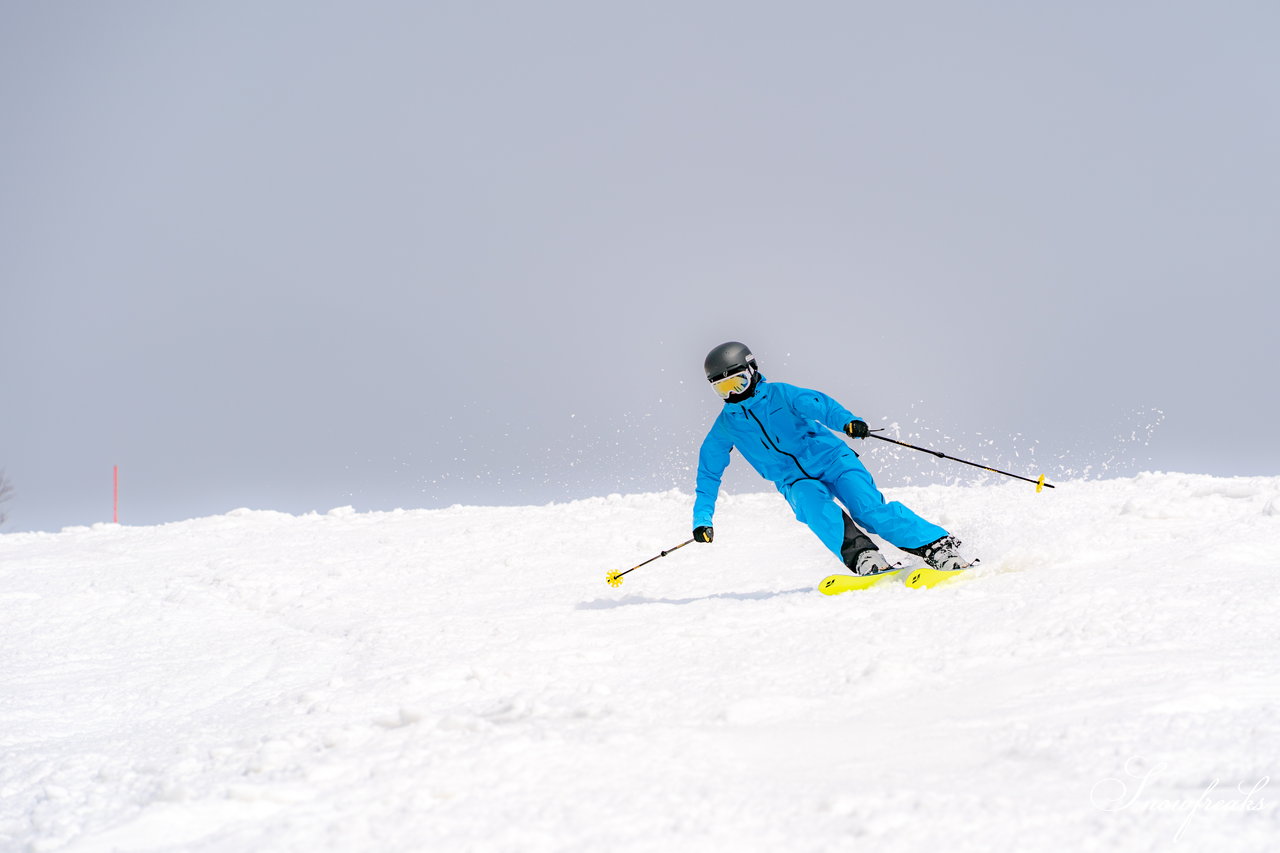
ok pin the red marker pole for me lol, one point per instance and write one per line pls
(115, 494)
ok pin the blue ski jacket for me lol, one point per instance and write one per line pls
(782, 431)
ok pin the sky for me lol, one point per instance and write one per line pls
(299, 255)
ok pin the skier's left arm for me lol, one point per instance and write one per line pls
(816, 406)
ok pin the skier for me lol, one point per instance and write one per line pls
(782, 430)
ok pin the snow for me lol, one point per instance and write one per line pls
(463, 679)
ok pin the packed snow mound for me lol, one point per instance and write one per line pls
(464, 679)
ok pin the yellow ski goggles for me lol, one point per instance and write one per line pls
(734, 383)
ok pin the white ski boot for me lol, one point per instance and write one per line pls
(943, 554)
(870, 562)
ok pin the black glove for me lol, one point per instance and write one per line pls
(857, 429)
(703, 533)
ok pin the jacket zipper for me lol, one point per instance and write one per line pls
(765, 433)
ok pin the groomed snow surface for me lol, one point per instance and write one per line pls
(464, 679)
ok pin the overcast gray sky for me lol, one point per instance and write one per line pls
(298, 255)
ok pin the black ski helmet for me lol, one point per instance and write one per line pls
(729, 357)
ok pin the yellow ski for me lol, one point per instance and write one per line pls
(836, 584)
(926, 578)
(918, 578)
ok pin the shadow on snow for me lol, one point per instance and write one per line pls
(609, 603)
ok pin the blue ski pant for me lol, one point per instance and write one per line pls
(849, 482)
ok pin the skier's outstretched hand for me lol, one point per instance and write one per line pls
(857, 429)
(703, 534)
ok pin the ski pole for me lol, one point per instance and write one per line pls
(615, 578)
(1040, 484)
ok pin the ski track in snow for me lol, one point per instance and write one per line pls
(463, 679)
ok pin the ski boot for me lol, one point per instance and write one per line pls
(870, 562)
(942, 554)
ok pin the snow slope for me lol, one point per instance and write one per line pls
(463, 679)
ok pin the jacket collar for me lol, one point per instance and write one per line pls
(757, 391)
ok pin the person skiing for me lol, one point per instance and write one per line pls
(785, 433)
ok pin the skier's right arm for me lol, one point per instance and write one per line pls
(713, 458)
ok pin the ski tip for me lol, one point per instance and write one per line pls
(836, 584)
(830, 585)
